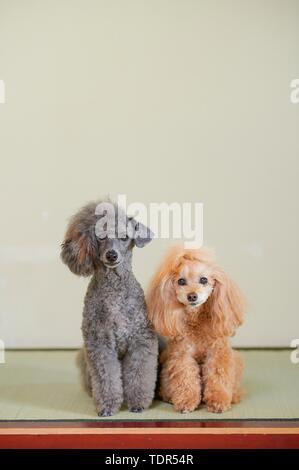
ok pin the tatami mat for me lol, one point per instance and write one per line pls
(44, 385)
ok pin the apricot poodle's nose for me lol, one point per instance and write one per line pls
(192, 297)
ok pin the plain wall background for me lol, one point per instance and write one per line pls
(163, 101)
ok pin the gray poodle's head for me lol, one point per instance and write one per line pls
(101, 233)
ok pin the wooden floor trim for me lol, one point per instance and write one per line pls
(148, 431)
(150, 435)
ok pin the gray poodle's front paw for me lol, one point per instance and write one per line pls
(105, 412)
(136, 409)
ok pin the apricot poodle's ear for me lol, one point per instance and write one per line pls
(161, 304)
(164, 310)
(80, 250)
(227, 305)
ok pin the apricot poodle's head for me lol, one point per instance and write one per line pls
(189, 282)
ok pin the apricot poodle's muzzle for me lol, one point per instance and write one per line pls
(192, 298)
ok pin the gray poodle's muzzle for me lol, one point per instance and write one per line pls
(112, 258)
(111, 253)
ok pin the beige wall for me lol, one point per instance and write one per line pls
(163, 101)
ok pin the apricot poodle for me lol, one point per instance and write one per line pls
(197, 307)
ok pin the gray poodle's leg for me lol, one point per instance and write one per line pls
(105, 374)
(140, 373)
(84, 372)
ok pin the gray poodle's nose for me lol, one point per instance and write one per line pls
(192, 297)
(111, 256)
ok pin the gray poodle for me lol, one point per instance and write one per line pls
(119, 359)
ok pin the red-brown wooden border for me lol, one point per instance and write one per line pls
(243, 434)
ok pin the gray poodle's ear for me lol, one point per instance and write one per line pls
(80, 250)
(142, 235)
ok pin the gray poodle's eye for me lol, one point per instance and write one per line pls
(203, 280)
(182, 281)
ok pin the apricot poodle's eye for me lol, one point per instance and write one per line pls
(182, 281)
(203, 280)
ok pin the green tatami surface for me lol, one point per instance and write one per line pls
(45, 385)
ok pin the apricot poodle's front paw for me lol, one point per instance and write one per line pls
(185, 405)
(218, 407)
(186, 409)
(217, 401)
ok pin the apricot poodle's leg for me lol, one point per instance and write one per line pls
(237, 392)
(180, 382)
(219, 376)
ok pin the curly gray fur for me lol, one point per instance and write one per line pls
(119, 359)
